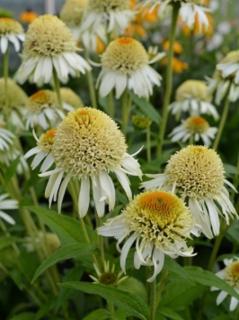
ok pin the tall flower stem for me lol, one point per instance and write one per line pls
(110, 105)
(57, 88)
(153, 300)
(91, 87)
(5, 77)
(169, 78)
(148, 143)
(126, 106)
(223, 121)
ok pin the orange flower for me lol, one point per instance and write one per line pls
(179, 66)
(177, 48)
(198, 29)
(28, 16)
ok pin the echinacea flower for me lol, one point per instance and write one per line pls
(229, 274)
(109, 276)
(104, 17)
(193, 97)
(88, 147)
(43, 151)
(226, 78)
(158, 223)
(42, 110)
(72, 14)
(50, 48)
(11, 32)
(126, 66)
(16, 101)
(70, 99)
(7, 204)
(194, 128)
(196, 174)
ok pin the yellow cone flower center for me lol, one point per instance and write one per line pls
(126, 55)
(197, 172)
(41, 99)
(157, 215)
(72, 12)
(108, 5)
(16, 97)
(196, 124)
(88, 142)
(232, 274)
(10, 26)
(70, 97)
(46, 140)
(48, 36)
(193, 89)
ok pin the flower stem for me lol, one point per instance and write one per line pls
(126, 106)
(153, 300)
(148, 143)
(91, 87)
(110, 105)
(223, 121)
(169, 78)
(57, 89)
(216, 248)
(5, 77)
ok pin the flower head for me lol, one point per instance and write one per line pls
(88, 146)
(196, 128)
(125, 65)
(72, 12)
(196, 173)
(230, 274)
(50, 46)
(109, 276)
(70, 99)
(10, 32)
(158, 222)
(193, 96)
(226, 78)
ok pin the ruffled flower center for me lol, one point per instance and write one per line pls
(108, 5)
(196, 124)
(46, 140)
(193, 89)
(10, 26)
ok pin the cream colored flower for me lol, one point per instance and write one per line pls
(193, 97)
(158, 223)
(70, 99)
(126, 66)
(49, 47)
(195, 128)
(6, 138)
(196, 173)
(7, 204)
(11, 32)
(88, 147)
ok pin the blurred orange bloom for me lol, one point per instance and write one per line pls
(177, 48)
(198, 29)
(28, 16)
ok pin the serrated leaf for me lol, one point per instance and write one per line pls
(69, 251)
(133, 304)
(100, 314)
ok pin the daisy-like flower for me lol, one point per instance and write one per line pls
(16, 101)
(11, 32)
(43, 151)
(70, 99)
(109, 276)
(126, 66)
(6, 138)
(104, 17)
(42, 110)
(230, 274)
(72, 13)
(191, 12)
(193, 96)
(88, 147)
(194, 128)
(49, 48)
(7, 204)
(158, 222)
(226, 78)
(196, 174)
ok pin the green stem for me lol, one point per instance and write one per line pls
(153, 300)
(169, 78)
(5, 77)
(91, 87)
(223, 121)
(148, 143)
(110, 105)
(216, 248)
(57, 89)
(126, 106)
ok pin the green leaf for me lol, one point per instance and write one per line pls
(170, 314)
(209, 279)
(11, 170)
(100, 314)
(146, 107)
(131, 303)
(24, 316)
(6, 242)
(69, 251)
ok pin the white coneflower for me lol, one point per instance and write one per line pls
(7, 204)
(104, 17)
(126, 66)
(43, 151)
(49, 48)
(88, 146)
(226, 78)
(194, 128)
(16, 101)
(193, 96)
(72, 14)
(42, 110)
(70, 99)
(196, 173)
(109, 276)
(158, 222)
(230, 274)
(191, 12)
(11, 32)
(6, 138)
